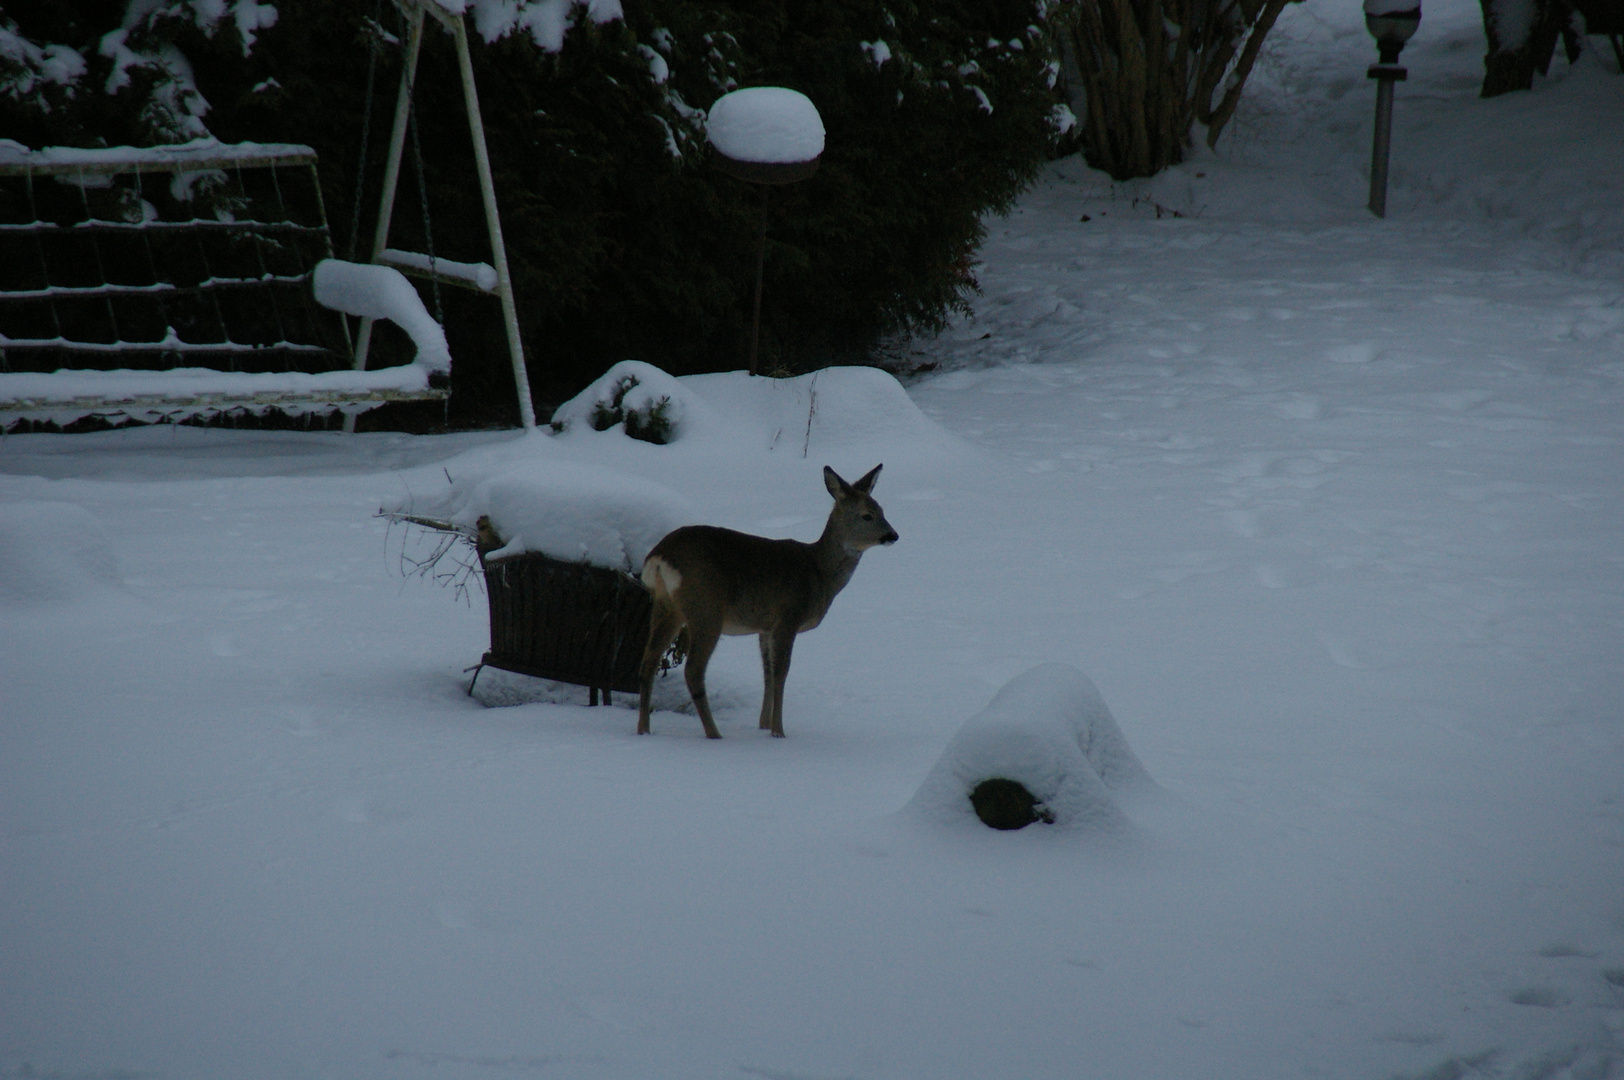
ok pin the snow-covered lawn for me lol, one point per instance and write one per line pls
(1328, 508)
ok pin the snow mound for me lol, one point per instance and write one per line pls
(767, 124)
(1050, 731)
(565, 509)
(382, 292)
(829, 411)
(53, 551)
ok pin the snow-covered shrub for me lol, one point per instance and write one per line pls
(1049, 732)
(652, 423)
(649, 404)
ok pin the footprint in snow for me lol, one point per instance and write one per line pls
(1340, 652)
(1243, 523)
(1269, 578)
(1539, 997)
(1301, 407)
(1359, 352)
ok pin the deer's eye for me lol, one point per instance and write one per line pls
(868, 517)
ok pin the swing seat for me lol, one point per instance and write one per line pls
(163, 282)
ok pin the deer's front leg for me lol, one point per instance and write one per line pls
(764, 639)
(782, 645)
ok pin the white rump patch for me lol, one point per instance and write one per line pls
(661, 577)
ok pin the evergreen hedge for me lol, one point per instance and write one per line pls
(624, 242)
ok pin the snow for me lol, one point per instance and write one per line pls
(53, 551)
(878, 51)
(33, 64)
(767, 124)
(199, 153)
(1326, 505)
(36, 392)
(547, 21)
(481, 276)
(713, 415)
(382, 292)
(540, 501)
(1051, 732)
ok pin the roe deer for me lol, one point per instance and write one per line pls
(716, 581)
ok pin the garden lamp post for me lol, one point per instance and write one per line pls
(768, 136)
(1390, 22)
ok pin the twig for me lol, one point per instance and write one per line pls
(811, 411)
(437, 524)
(454, 539)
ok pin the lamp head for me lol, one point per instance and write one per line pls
(1392, 23)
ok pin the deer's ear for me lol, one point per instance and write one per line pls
(834, 483)
(866, 484)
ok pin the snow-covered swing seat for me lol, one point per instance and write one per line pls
(154, 283)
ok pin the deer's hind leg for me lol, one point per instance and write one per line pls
(702, 639)
(665, 623)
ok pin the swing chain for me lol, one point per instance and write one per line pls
(375, 36)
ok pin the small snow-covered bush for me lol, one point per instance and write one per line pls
(1048, 732)
(649, 404)
(651, 423)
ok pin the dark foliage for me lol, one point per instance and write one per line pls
(1520, 45)
(623, 241)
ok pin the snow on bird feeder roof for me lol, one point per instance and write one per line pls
(775, 134)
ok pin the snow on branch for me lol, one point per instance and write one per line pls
(547, 21)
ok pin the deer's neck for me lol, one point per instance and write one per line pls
(836, 561)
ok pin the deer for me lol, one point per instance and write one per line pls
(714, 581)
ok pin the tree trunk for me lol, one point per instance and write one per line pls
(1151, 68)
(1518, 47)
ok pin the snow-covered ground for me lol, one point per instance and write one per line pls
(1328, 508)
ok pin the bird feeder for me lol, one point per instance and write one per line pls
(768, 136)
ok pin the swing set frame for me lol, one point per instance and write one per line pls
(427, 266)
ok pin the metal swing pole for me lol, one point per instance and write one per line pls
(487, 189)
(391, 174)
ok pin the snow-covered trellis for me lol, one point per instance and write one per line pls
(172, 280)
